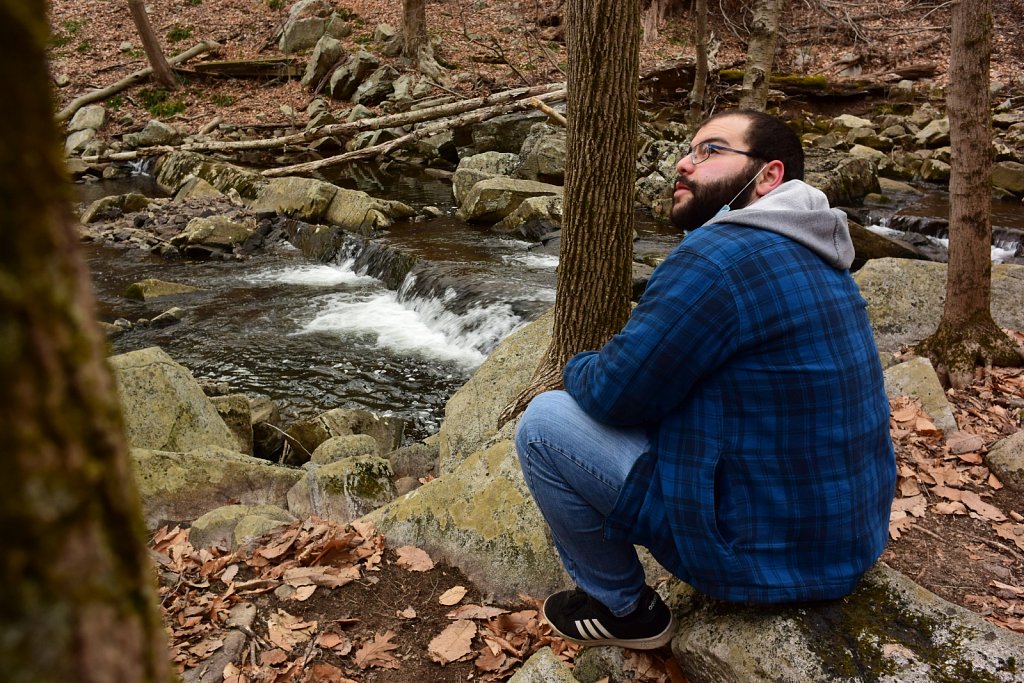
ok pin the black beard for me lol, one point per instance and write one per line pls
(707, 199)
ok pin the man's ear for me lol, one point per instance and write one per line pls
(770, 177)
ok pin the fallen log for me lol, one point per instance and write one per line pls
(343, 129)
(465, 119)
(130, 80)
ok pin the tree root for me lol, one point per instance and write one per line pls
(957, 349)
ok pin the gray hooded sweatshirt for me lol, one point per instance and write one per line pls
(801, 213)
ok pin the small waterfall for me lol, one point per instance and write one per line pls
(141, 167)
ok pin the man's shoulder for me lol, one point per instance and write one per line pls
(725, 242)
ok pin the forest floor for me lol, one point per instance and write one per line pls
(389, 617)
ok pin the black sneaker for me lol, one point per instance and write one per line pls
(579, 618)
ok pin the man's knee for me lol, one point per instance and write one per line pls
(545, 416)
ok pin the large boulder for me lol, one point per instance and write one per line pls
(889, 629)
(304, 198)
(543, 155)
(1006, 460)
(845, 179)
(481, 518)
(153, 133)
(163, 406)
(359, 212)
(236, 412)
(306, 24)
(305, 436)
(547, 210)
(216, 233)
(471, 414)
(89, 117)
(325, 57)
(217, 527)
(1009, 175)
(377, 87)
(347, 77)
(505, 133)
(115, 204)
(175, 169)
(492, 199)
(343, 490)
(905, 298)
(182, 486)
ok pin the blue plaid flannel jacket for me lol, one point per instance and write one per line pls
(752, 365)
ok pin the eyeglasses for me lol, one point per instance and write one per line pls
(703, 151)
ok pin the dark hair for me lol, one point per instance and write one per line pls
(770, 139)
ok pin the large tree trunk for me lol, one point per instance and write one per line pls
(161, 69)
(760, 54)
(967, 336)
(698, 94)
(594, 271)
(414, 27)
(76, 589)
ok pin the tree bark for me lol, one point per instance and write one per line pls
(760, 54)
(414, 27)
(161, 69)
(77, 601)
(967, 336)
(700, 78)
(594, 272)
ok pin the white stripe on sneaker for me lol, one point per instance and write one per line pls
(593, 629)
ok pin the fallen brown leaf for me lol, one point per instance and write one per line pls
(986, 510)
(454, 643)
(377, 652)
(1011, 532)
(414, 559)
(453, 595)
(475, 612)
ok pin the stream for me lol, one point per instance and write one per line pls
(315, 336)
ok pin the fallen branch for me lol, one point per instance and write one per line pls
(464, 120)
(103, 93)
(552, 114)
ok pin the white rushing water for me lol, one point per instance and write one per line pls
(998, 253)
(417, 326)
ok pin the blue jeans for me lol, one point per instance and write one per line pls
(575, 468)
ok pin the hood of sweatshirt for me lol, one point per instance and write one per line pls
(801, 213)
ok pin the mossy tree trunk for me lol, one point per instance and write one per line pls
(967, 336)
(154, 53)
(594, 270)
(76, 586)
(764, 36)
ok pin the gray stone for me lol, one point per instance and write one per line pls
(125, 203)
(197, 188)
(92, 116)
(154, 133)
(505, 133)
(343, 490)
(845, 179)
(377, 86)
(935, 134)
(548, 209)
(849, 122)
(236, 412)
(163, 406)
(306, 23)
(341, 447)
(867, 152)
(304, 198)
(347, 77)
(384, 33)
(1009, 175)
(917, 378)
(544, 667)
(325, 57)
(494, 163)
(172, 316)
(543, 155)
(888, 630)
(252, 527)
(77, 141)
(905, 298)
(359, 212)
(464, 179)
(492, 199)
(934, 170)
(216, 232)
(337, 27)
(152, 289)
(304, 436)
(605, 662)
(1006, 460)
(176, 168)
(415, 460)
(177, 487)
(216, 528)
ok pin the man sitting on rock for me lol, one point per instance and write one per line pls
(737, 426)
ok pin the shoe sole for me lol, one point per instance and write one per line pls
(651, 643)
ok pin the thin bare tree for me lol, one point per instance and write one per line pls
(154, 53)
(967, 336)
